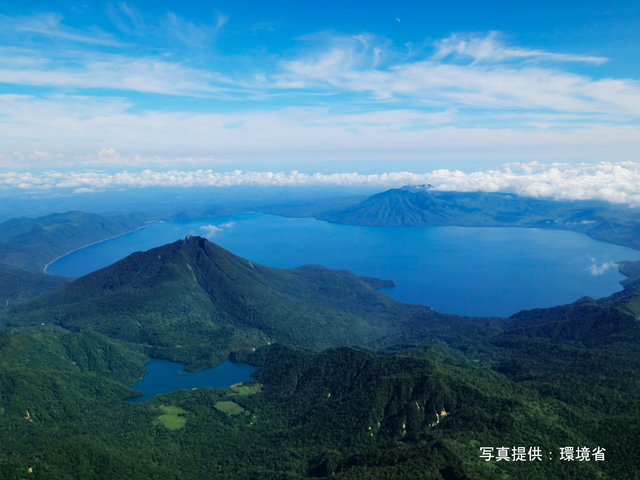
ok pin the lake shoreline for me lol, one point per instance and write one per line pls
(505, 268)
(162, 378)
(88, 245)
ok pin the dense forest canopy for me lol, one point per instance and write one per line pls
(351, 384)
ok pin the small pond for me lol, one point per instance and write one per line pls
(164, 376)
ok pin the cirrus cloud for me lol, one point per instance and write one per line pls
(157, 89)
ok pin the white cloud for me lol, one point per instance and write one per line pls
(84, 190)
(169, 28)
(473, 96)
(612, 182)
(117, 72)
(490, 49)
(74, 125)
(213, 230)
(44, 155)
(51, 25)
(126, 18)
(191, 34)
(108, 156)
(495, 77)
(596, 270)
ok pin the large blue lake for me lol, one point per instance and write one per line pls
(164, 376)
(468, 271)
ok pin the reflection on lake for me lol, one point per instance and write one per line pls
(165, 376)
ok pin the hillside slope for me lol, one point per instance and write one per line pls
(19, 285)
(192, 300)
(31, 243)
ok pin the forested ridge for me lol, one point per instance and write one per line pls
(18, 285)
(351, 384)
(195, 302)
(31, 243)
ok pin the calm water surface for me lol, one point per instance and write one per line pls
(468, 271)
(164, 376)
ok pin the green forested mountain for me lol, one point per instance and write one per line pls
(195, 302)
(19, 285)
(418, 398)
(421, 207)
(340, 413)
(32, 243)
(632, 270)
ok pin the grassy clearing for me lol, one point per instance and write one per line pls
(171, 418)
(230, 408)
(242, 389)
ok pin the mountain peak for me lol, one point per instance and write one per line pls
(200, 241)
(194, 299)
(417, 188)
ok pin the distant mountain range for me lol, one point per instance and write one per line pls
(422, 207)
(32, 243)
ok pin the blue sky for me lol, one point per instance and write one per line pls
(317, 86)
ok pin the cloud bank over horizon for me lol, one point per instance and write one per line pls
(606, 181)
